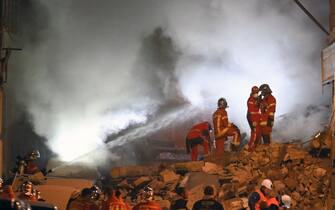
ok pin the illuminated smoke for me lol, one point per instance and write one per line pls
(105, 66)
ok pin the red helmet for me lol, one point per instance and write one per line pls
(254, 90)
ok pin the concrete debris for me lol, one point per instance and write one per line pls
(212, 168)
(169, 176)
(132, 171)
(141, 180)
(291, 168)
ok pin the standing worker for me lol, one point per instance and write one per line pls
(253, 117)
(223, 128)
(198, 135)
(259, 199)
(270, 102)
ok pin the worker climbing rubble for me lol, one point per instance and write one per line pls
(268, 102)
(27, 164)
(198, 135)
(253, 117)
(224, 129)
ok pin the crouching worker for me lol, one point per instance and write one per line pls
(198, 135)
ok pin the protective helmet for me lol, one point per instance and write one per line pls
(148, 193)
(267, 183)
(34, 155)
(95, 192)
(222, 102)
(27, 185)
(265, 89)
(286, 200)
(254, 90)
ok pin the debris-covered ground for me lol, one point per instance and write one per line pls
(291, 168)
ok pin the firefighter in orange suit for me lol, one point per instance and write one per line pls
(148, 203)
(269, 101)
(253, 117)
(198, 135)
(223, 128)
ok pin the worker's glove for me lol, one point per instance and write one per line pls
(254, 124)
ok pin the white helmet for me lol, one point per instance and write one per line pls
(267, 183)
(286, 200)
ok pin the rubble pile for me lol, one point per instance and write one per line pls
(291, 168)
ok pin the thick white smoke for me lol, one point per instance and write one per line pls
(91, 77)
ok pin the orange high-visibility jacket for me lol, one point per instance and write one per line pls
(262, 199)
(272, 201)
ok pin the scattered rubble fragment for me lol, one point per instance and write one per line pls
(291, 168)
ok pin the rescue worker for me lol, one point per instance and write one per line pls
(208, 202)
(32, 167)
(27, 192)
(270, 102)
(223, 128)
(259, 199)
(253, 117)
(115, 201)
(180, 202)
(84, 202)
(148, 203)
(6, 191)
(279, 203)
(198, 135)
